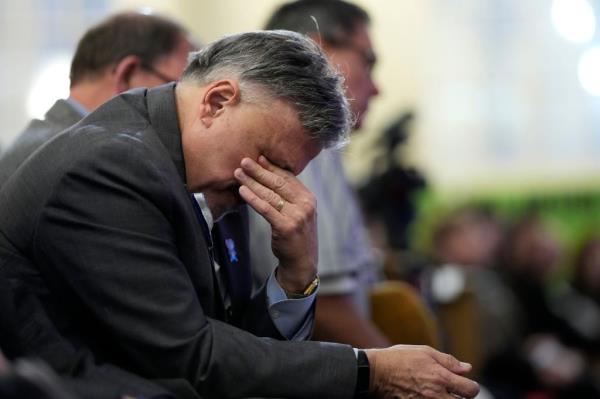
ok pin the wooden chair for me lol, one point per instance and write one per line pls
(400, 313)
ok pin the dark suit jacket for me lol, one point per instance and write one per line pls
(59, 117)
(26, 331)
(100, 223)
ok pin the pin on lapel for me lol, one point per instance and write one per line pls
(230, 244)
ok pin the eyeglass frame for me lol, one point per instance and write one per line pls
(158, 74)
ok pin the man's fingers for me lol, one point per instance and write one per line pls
(274, 178)
(263, 175)
(450, 362)
(462, 387)
(457, 385)
(268, 165)
(264, 193)
(261, 206)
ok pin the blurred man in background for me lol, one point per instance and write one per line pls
(347, 264)
(125, 51)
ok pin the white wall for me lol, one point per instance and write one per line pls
(494, 87)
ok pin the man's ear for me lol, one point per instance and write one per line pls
(124, 70)
(217, 96)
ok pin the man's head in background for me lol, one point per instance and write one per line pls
(125, 51)
(341, 29)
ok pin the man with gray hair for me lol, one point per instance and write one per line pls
(101, 223)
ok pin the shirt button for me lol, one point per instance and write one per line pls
(275, 314)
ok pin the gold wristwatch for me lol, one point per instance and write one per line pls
(307, 291)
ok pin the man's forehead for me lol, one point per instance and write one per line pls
(362, 41)
(294, 153)
(359, 41)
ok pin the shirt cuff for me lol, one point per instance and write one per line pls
(338, 284)
(294, 318)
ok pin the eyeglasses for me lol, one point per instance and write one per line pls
(158, 74)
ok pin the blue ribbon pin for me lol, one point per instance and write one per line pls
(231, 249)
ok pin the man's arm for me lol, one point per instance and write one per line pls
(270, 313)
(338, 319)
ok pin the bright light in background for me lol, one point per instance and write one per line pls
(50, 84)
(146, 10)
(574, 20)
(589, 71)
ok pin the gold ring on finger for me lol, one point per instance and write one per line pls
(280, 204)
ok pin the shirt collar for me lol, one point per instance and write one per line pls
(77, 106)
(208, 217)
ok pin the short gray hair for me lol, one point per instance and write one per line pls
(286, 65)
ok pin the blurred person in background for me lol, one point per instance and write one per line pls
(586, 278)
(546, 353)
(467, 296)
(125, 51)
(578, 302)
(347, 265)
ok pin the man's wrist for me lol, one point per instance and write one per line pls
(308, 290)
(363, 375)
(294, 284)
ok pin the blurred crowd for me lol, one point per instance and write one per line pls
(509, 298)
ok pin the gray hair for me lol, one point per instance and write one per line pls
(285, 65)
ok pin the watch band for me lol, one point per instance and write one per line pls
(307, 291)
(363, 375)
(312, 286)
